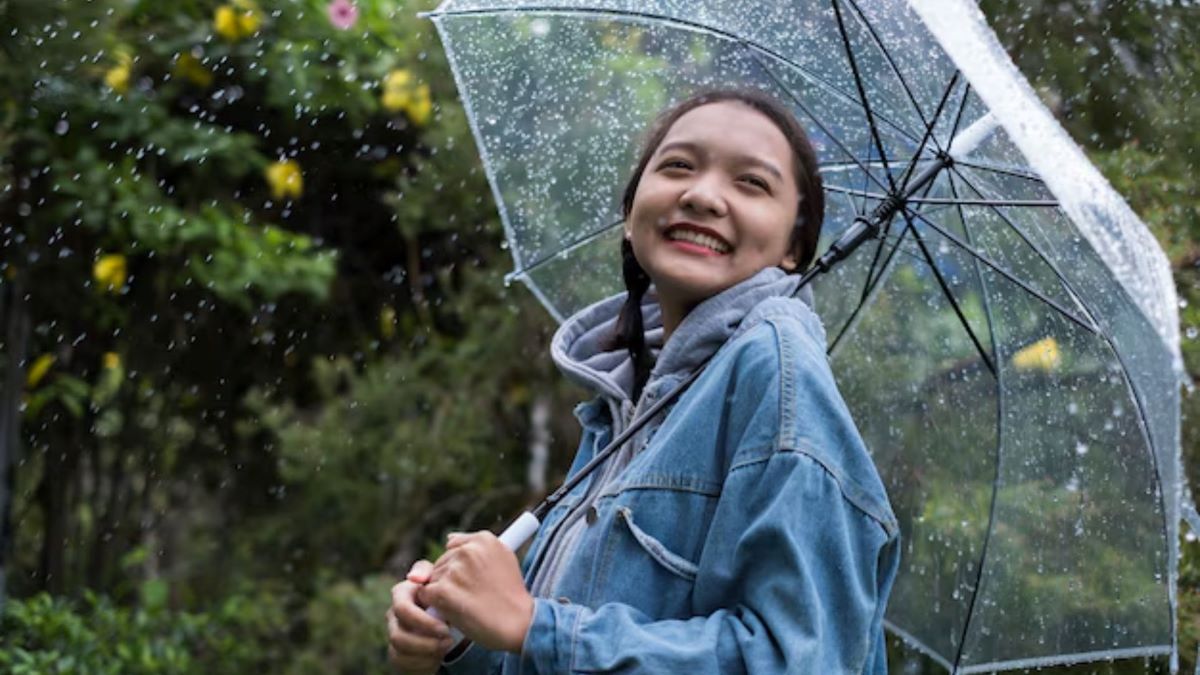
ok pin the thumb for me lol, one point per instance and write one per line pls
(420, 571)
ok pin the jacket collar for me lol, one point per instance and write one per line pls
(582, 348)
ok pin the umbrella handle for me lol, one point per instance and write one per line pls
(513, 537)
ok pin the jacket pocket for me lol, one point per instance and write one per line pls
(673, 562)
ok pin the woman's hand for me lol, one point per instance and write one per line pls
(477, 586)
(416, 641)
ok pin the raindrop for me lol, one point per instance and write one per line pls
(62, 127)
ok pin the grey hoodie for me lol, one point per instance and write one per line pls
(580, 350)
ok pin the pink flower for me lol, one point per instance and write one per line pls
(343, 13)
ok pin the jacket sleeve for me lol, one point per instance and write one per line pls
(475, 660)
(808, 571)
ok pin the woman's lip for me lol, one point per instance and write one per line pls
(699, 229)
(692, 247)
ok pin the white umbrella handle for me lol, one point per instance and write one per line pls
(513, 537)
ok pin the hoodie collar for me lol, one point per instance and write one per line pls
(582, 346)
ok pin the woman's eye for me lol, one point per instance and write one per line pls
(757, 182)
(675, 164)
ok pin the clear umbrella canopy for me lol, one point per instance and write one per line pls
(1008, 346)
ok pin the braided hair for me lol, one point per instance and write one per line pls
(802, 244)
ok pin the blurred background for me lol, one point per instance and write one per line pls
(256, 351)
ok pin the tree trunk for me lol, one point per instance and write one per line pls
(14, 317)
(539, 445)
(52, 498)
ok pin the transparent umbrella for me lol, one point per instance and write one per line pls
(1007, 337)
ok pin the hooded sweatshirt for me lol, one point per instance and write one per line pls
(581, 349)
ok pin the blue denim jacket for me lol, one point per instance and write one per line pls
(751, 534)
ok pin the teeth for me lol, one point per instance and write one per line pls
(698, 238)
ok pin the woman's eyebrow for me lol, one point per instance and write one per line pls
(743, 159)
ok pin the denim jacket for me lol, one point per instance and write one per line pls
(750, 533)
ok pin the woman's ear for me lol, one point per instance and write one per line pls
(789, 263)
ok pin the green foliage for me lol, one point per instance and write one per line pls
(43, 635)
(345, 629)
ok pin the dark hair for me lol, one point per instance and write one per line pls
(805, 232)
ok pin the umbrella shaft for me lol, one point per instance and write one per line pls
(867, 227)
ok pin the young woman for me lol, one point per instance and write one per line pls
(745, 530)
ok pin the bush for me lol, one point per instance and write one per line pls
(44, 635)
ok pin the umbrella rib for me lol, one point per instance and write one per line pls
(869, 284)
(873, 279)
(1002, 272)
(581, 241)
(665, 19)
(1002, 171)
(949, 294)
(862, 93)
(892, 64)
(811, 115)
(1025, 238)
(962, 110)
(1045, 203)
(868, 293)
(987, 311)
(1144, 428)
(838, 166)
(912, 164)
(947, 201)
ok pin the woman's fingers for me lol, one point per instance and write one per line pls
(420, 571)
(415, 645)
(411, 616)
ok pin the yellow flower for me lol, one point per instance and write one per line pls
(1041, 355)
(285, 179)
(225, 22)
(189, 68)
(402, 93)
(39, 368)
(109, 272)
(419, 110)
(117, 78)
(397, 90)
(111, 360)
(237, 21)
(387, 322)
(249, 21)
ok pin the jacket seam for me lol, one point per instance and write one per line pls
(571, 665)
(783, 355)
(889, 528)
(705, 492)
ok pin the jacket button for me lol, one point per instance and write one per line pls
(564, 600)
(592, 515)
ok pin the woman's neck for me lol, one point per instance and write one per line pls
(673, 314)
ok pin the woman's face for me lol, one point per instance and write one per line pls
(715, 205)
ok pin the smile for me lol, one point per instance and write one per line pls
(711, 242)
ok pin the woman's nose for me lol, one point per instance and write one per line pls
(703, 196)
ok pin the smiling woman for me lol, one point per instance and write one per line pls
(729, 166)
(713, 209)
(744, 531)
